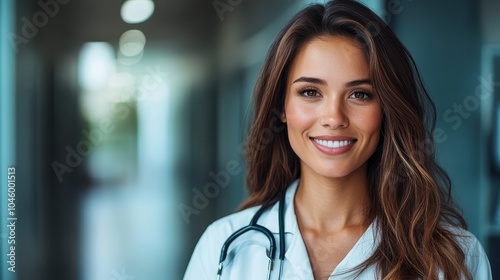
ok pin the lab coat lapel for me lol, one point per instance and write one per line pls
(270, 219)
(297, 265)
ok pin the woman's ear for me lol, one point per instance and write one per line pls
(283, 117)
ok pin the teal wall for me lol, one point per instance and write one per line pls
(444, 39)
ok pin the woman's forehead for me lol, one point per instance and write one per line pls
(329, 57)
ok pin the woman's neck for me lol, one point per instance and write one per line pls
(332, 204)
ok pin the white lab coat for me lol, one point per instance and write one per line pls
(247, 259)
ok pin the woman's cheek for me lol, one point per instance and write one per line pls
(370, 120)
(301, 114)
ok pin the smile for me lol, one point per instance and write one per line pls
(333, 144)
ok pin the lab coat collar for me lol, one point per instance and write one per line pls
(296, 251)
(270, 218)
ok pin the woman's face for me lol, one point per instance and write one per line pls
(333, 116)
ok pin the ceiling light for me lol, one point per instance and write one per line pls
(137, 11)
(96, 63)
(132, 42)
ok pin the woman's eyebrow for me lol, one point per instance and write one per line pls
(358, 82)
(323, 82)
(310, 80)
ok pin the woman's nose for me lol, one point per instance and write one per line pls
(333, 115)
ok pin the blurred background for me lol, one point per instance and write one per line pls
(125, 122)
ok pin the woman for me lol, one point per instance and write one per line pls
(363, 197)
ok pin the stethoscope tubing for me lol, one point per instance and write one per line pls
(271, 252)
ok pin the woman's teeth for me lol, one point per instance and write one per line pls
(333, 144)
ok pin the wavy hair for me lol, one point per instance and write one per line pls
(410, 194)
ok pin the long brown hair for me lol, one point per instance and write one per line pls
(410, 194)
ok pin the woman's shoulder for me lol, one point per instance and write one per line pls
(464, 238)
(475, 256)
(204, 260)
(234, 221)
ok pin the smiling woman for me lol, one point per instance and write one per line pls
(333, 117)
(350, 188)
(334, 123)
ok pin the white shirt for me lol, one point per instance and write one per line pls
(247, 259)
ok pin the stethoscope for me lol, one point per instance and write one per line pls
(271, 252)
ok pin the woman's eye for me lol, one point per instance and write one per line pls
(309, 93)
(361, 95)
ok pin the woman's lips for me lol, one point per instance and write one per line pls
(333, 145)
